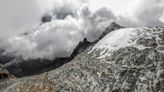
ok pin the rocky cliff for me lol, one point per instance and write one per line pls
(125, 60)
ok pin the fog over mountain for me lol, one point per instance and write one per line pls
(81, 46)
(71, 22)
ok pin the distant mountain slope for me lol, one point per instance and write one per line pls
(126, 60)
(20, 67)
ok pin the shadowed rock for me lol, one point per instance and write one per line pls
(46, 18)
(4, 74)
(20, 67)
(5, 58)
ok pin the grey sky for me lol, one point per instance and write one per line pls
(17, 14)
(59, 37)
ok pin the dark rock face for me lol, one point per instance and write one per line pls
(128, 69)
(5, 58)
(63, 14)
(111, 28)
(4, 74)
(20, 67)
(46, 18)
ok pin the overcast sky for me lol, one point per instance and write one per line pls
(17, 15)
(80, 19)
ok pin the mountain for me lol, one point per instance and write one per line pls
(20, 67)
(125, 60)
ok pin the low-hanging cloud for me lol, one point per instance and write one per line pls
(135, 13)
(95, 23)
(74, 20)
(53, 40)
(60, 37)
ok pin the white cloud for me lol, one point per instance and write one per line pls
(93, 22)
(60, 37)
(73, 20)
(134, 12)
(17, 15)
(162, 17)
(52, 40)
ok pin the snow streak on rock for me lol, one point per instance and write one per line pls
(130, 37)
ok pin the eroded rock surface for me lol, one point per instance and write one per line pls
(4, 74)
(135, 68)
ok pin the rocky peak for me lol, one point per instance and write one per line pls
(135, 65)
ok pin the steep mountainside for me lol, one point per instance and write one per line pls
(20, 67)
(125, 60)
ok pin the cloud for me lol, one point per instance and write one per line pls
(147, 14)
(60, 37)
(162, 17)
(20, 15)
(17, 15)
(95, 22)
(53, 40)
(61, 8)
(74, 20)
(134, 13)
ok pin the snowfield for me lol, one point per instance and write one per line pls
(127, 37)
(117, 39)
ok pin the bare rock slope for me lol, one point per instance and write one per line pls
(133, 62)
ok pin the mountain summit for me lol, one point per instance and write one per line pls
(125, 60)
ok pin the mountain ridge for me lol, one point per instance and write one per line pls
(127, 69)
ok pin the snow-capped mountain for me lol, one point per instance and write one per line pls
(82, 46)
(125, 60)
(140, 38)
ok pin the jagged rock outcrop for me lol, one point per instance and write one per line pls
(46, 18)
(136, 66)
(4, 74)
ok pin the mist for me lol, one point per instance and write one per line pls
(134, 13)
(72, 21)
(17, 16)
(60, 37)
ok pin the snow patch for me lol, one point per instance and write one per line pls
(127, 37)
(117, 39)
